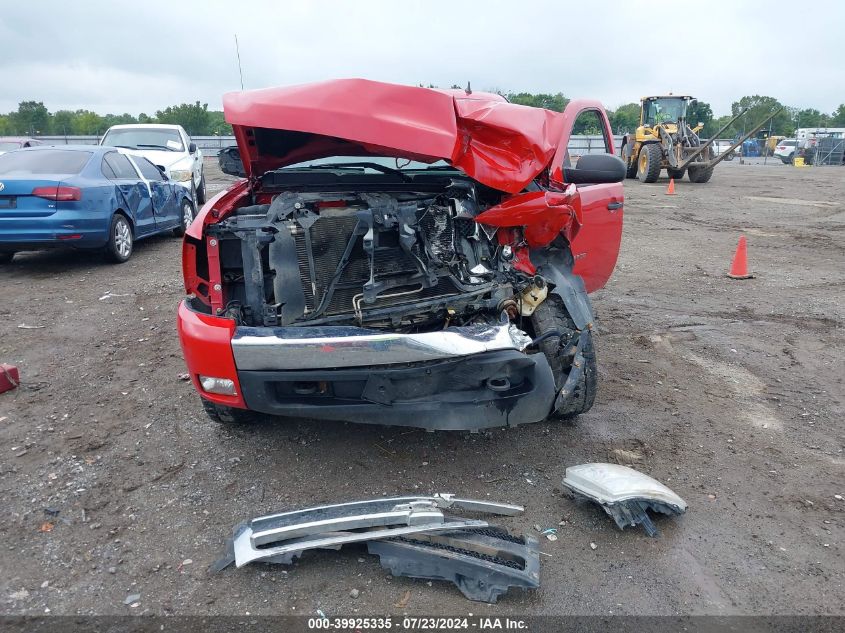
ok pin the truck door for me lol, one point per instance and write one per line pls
(595, 244)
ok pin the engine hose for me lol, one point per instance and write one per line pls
(536, 342)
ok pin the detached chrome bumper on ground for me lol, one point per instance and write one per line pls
(415, 538)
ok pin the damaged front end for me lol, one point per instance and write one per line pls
(393, 308)
(411, 270)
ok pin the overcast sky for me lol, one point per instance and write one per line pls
(142, 56)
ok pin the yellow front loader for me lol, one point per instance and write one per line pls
(665, 140)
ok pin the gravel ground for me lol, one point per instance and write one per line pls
(115, 483)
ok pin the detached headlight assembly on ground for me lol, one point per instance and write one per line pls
(223, 386)
(180, 175)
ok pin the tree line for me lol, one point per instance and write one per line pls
(33, 119)
(626, 117)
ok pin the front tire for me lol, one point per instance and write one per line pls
(560, 352)
(187, 216)
(226, 415)
(201, 190)
(121, 240)
(677, 174)
(649, 162)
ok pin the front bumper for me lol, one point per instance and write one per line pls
(460, 379)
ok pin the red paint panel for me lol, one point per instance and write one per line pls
(9, 377)
(500, 144)
(207, 346)
(595, 245)
(217, 208)
(543, 214)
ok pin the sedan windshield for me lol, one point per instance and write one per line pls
(144, 138)
(43, 161)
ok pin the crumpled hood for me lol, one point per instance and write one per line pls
(499, 144)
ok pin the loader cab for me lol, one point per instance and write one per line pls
(661, 110)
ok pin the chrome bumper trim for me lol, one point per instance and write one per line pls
(299, 348)
(288, 534)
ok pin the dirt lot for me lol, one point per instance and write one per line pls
(114, 482)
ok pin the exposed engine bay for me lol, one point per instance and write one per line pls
(403, 260)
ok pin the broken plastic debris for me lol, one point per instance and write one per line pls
(624, 493)
(483, 563)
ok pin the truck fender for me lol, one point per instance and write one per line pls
(555, 264)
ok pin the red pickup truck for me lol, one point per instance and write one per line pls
(401, 255)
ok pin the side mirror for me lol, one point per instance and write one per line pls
(162, 170)
(594, 169)
(229, 159)
(192, 148)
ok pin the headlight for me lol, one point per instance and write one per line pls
(223, 386)
(180, 175)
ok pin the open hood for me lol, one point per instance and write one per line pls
(499, 144)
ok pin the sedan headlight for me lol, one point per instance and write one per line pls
(180, 175)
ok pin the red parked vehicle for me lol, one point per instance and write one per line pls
(401, 255)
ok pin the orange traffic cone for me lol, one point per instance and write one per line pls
(670, 191)
(739, 267)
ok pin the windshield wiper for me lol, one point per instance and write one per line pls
(125, 146)
(157, 147)
(382, 168)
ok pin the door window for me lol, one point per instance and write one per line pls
(588, 137)
(120, 166)
(147, 169)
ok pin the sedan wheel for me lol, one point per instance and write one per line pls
(121, 242)
(187, 217)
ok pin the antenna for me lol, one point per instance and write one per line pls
(238, 52)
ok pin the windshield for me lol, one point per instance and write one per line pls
(47, 161)
(384, 161)
(6, 146)
(144, 138)
(667, 110)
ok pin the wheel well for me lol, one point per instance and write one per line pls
(128, 219)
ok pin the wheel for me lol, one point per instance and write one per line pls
(187, 216)
(226, 415)
(648, 162)
(6, 257)
(677, 174)
(201, 190)
(730, 156)
(630, 167)
(121, 241)
(560, 351)
(699, 174)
